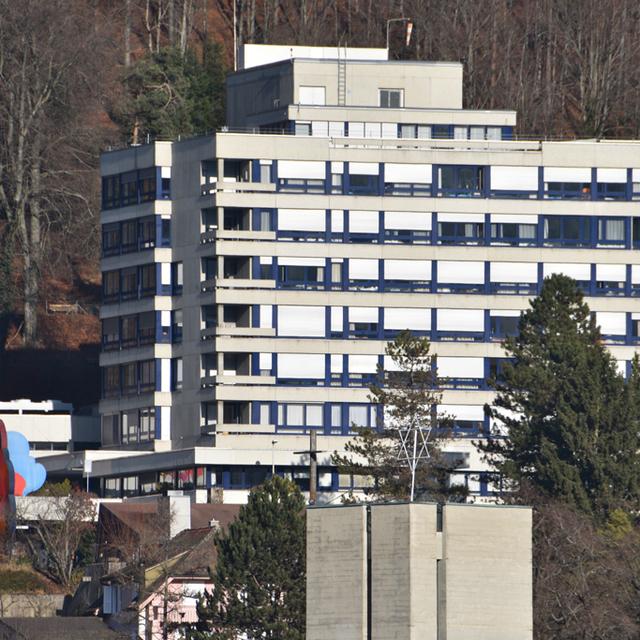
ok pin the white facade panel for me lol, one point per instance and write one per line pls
(461, 217)
(611, 323)
(363, 314)
(461, 272)
(337, 167)
(337, 220)
(460, 320)
(301, 365)
(419, 270)
(301, 262)
(363, 269)
(460, 367)
(364, 168)
(301, 321)
(506, 313)
(363, 364)
(567, 174)
(311, 95)
(409, 173)
(301, 219)
(319, 129)
(612, 175)
(306, 169)
(514, 272)
(575, 271)
(408, 220)
(514, 178)
(265, 361)
(611, 272)
(336, 363)
(389, 130)
(266, 316)
(412, 319)
(364, 221)
(337, 319)
(462, 411)
(514, 218)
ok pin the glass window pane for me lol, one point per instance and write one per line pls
(295, 414)
(358, 415)
(314, 415)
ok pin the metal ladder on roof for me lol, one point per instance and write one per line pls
(342, 75)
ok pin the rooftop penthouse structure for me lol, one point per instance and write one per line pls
(253, 277)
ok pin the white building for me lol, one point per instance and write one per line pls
(252, 278)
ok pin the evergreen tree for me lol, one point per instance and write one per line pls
(260, 577)
(570, 421)
(408, 395)
(167, 94)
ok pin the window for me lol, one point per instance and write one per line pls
(391, 98)
(147, 375)
(110, 239)
(165, 232)
(110, 286)
(129, 334)
(611, 231)
(567, 182)
(128, 188)
(461, 180)
(147, 328)
(567, 231)
(501, 326)
(110, 334)
(441, 131)
(177, 278)
(176, 326)
(129, 283)
(147, 423)
(176, 374)
(302, 128)
(147, 233)
(301, 276)
(129, 379)
(360, 184)
(460, 232)
(147, 181)
(292, 415)
(111, 382)
(361, 415)
(129, 422)
(147, 280)
(513, 233)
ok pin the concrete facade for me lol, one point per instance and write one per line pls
(463, 574)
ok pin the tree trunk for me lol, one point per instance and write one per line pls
(127, 33)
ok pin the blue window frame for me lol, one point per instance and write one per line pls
(611, 231)
(460, 233)
(363, 329)
(441, 132)
(513, 234)
(407, 236)
(610, 288)
(361, 415)
(567, 231)
(461, 180)
(300, 277)
(134, 187)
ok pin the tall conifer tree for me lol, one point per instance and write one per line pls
(260, 576)
(570, 421)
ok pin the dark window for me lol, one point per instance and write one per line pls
(129, 378)
(110, 334)
(147, 178)
(111, 381)
(129, 188)
(129, 233)
(301, 275)
(110, 239)
(147, 233)
(176, 326)
(166, 232)
(129, 283)
(460, 232)
(147, 370)
(440, 131)
(176, 374)
(612, 190)
(147, 327)
(177, 278)
(110, 286)
(461, 180)
(576, 190)
(513, 233)
(363, 184)
(503, 326)
(391, 98)
(148, 280)
(570, 231)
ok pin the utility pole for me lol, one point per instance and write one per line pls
(312, 452)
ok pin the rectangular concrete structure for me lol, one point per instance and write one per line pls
(487, 556)
(419, 572)
(336, 573)
(404, 551)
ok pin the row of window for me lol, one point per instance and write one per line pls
(142, 376)
(136, 187)
(129, 427)
(391, 130)
(141, 329)
(442, 276)
(315, 225)
(142, 281)
(135, 235)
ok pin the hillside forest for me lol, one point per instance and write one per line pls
(82, 76)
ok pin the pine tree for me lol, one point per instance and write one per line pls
(260, 577)
(408, 395)
(570, 421)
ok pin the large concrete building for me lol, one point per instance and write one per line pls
(252, 277)
(419, 572)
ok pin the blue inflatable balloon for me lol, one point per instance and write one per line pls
(26, 468)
